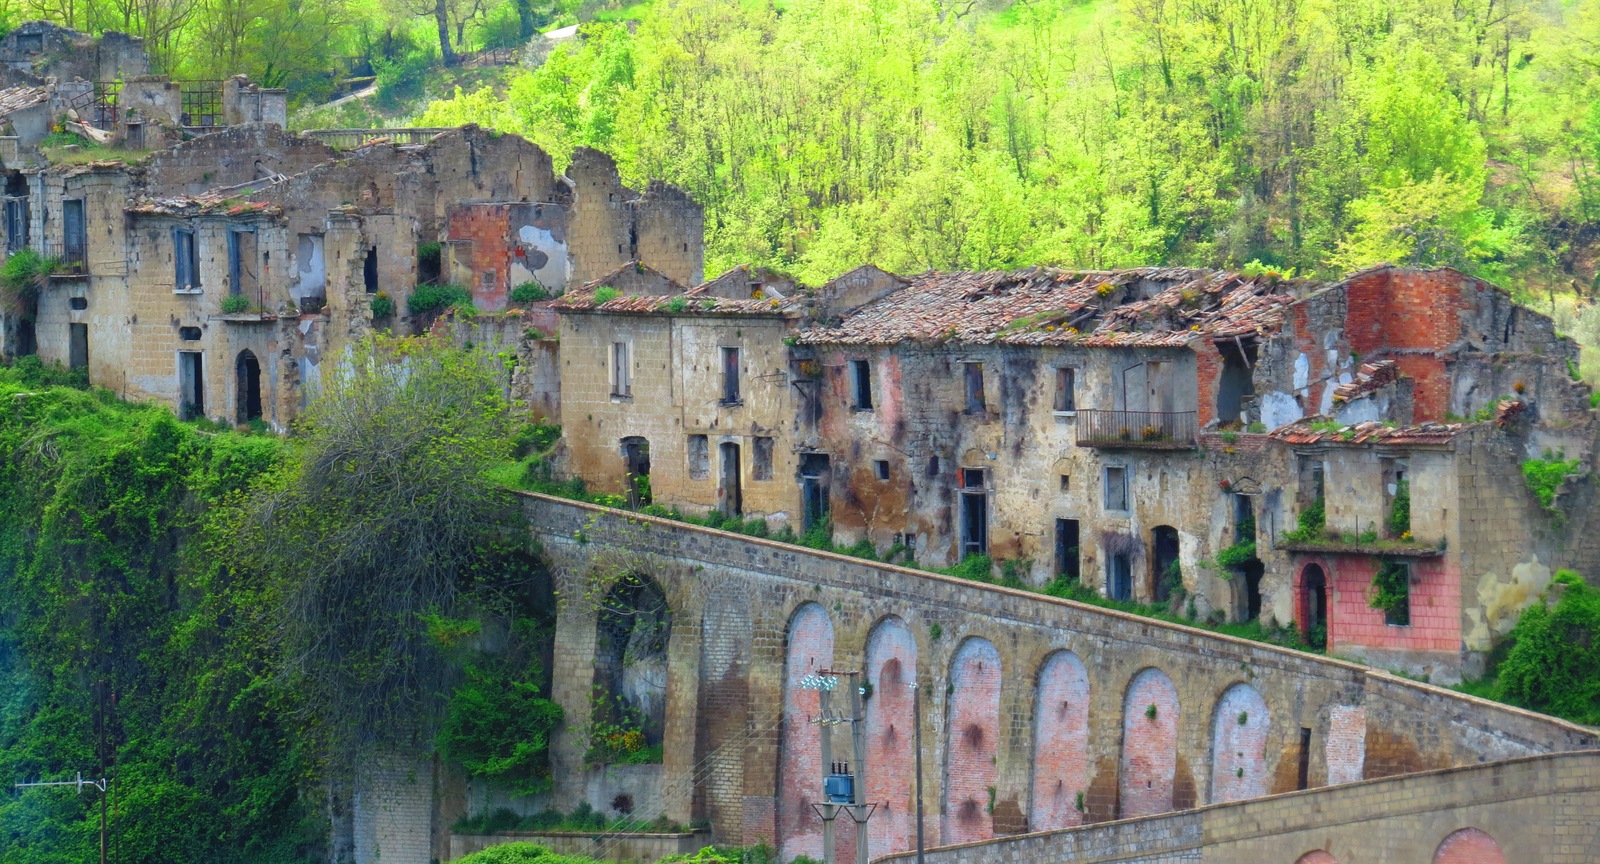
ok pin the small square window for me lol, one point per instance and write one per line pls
(1066, 482)
(971, 478)
(881, 468)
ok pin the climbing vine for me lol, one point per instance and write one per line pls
(1391, 591)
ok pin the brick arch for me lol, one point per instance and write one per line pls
(973, 737)
(807, 649)
(1060, 743)
(1469, 846)
(1149, 766)
(1316, 856)
(1239, 728)
(891, 670)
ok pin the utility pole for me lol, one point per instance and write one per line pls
(102, 784)
(842, 789)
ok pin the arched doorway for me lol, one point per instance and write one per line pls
(1469, 846)
(632, 632)
(1165, 574)
(247, 374)
(1314, 605)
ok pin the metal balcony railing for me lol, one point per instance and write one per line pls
(1154, 429)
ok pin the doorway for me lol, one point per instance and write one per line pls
(247, 373)
(78, 346)
(369, 271)
(729, 499)
(191, 385)
(636, 463)
(1165, 574)
(974, 513)
(1314, 608)
(814, 477)
(242, 278)
(1252, 571)
(1119, 581)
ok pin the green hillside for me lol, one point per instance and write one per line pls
(1314, 136)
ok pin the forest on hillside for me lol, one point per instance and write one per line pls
(1313, 135)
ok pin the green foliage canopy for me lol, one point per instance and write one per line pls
(1553, 665)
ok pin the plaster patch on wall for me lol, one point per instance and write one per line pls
(1363, 410)
(544, 259)
(1279, 409)
(1501, 600)
(1302, 371)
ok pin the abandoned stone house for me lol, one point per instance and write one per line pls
(1157, 434)
(216, 274)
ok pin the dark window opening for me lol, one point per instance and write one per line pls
(1393, 584)
(861, 385)
(429, 263)
(133, 136)
(1236, 383)
(1166, 573)
(974, 521)
(1116, 497)
(730, 499)
(1067, 557)
(699, 457)
(636, 468)
(1119, 581)
(880, 467)
(933, 466)
(1066, 483)
(247, 373)
(17, 224)
(1314, 606)
(189, 334)
(369, 271)
(972, 375)
(761, 459)
(27, 339)
(1396, 498)
(1066, 389)
(972, 478)
(30, 43)
(191, 385)
(185, 260)
(730, 376)
(815, 474)
(1252, 572)
(78, 304)
(78, 346)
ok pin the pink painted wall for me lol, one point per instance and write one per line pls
(809, 649)
(1239, 750)
(1060, 743)
(974, 734)
(891, 774)
(1469, 846)
(1149, 746)
(1435, 607)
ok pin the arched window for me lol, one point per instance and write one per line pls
(1060, 744)
(1149, 766)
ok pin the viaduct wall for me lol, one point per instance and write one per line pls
(1036, 713)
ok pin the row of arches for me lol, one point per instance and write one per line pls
(1466, 846)
(1062, 767)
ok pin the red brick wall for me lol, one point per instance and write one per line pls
(486, 227)
(1149, 746)
(1239, 750)
(1346, 744)
(974, 733)
(1208, 376)
(1469, 846)
(810, 648)
(1401, 309)
(1060, 743)
(891, 775)
(1435, 607)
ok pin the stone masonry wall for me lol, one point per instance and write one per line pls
(1542, 809)
(1407, 726)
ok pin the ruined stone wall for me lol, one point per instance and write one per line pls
(676, 393)
(598, 232)
(239, 154)
(1390, 722)
(496, 247)
(528, 352)
(1544, 809)
(667, 227)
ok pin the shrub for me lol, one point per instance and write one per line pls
(529, 292)
(235, 304)
(1553, 664)
(498, 726)
(382, 305)
(437, 298)
(23, 274)
(521, 853)
(1313, 520)
(605, 294)
(677, 304)
(1400, 510)
(1545, 476)
(1392, 591)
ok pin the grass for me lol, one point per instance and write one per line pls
(58, 149)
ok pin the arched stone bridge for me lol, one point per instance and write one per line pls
(1037, 714)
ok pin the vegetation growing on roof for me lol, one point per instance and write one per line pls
(1544, 477)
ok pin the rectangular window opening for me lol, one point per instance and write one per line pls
(699, 457)
(185, 260)
(880, 467)
(1303, 776)
(730, 376)
(16, 224)
(933, 466)
(191, 385)
(1116, 488)
(1066, 483)
(974, 524)
(761, 464)
(861, 385)
(1066, 390)
(78, 346)
(972, 374)
(621, 370)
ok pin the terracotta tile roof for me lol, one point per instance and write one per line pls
(228, 200)
(1149, 307)
(17, 98)
(1320, 430)
(677, 300)
(1369, 377)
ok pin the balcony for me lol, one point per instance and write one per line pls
(1148, 430)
